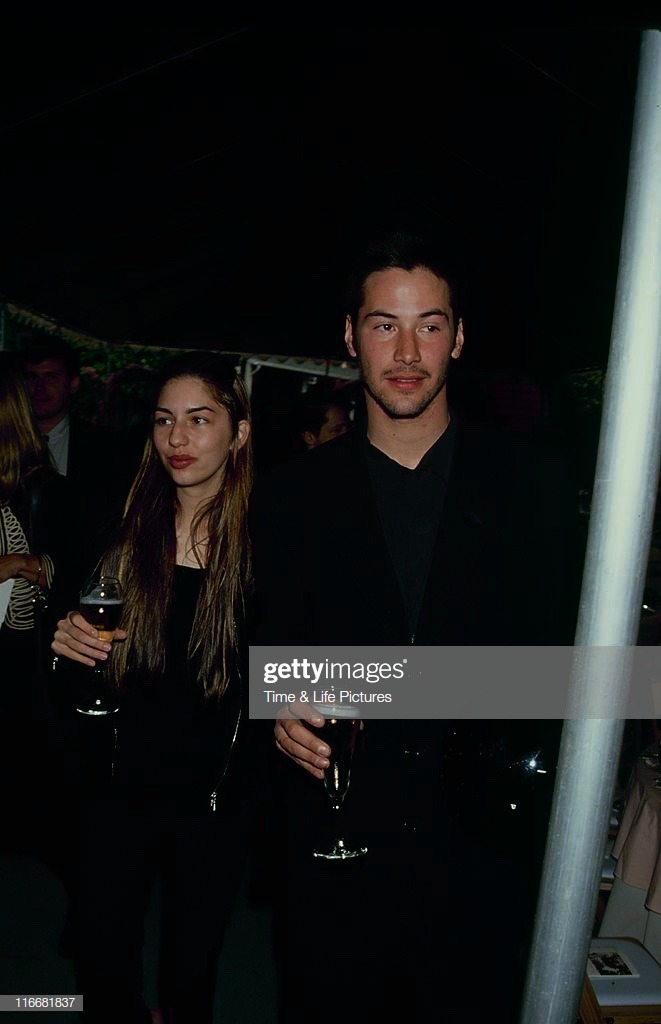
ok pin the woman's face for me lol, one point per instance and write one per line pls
(193, 436)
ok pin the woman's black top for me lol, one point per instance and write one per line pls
(169, 737)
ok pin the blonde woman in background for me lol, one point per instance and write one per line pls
(33, 544)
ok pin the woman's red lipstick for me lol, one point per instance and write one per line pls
(180, 461)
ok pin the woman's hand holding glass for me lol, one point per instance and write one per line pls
(77, 640)
(88, 637)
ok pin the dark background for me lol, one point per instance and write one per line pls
(204, 186)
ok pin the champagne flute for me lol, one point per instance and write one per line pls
(101, 605)
(341, 732)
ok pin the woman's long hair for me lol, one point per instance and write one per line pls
(22, 447)
(145, 555)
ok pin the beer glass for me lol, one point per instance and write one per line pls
(100, 605)
(341, 732)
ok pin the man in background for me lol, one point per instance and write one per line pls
(85, 453)
(324, 414)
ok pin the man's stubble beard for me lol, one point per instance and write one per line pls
(391, 409)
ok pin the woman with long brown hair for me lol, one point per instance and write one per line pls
(179, 793)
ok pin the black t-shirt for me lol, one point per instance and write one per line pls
(410, 502)
(168, 736)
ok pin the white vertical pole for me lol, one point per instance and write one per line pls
(618, 546)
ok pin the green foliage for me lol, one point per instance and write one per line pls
(116, 382)
(581, 403)
(587, 390)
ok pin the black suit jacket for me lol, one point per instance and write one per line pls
(505, 570)
(504, 567)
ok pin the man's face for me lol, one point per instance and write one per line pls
(51, 389)
(337, 422)
(404, 339)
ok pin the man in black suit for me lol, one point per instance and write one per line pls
(83, 452)
(415, 529)
(52, 372)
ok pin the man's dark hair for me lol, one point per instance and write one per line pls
(37, 348)
(403, 250)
